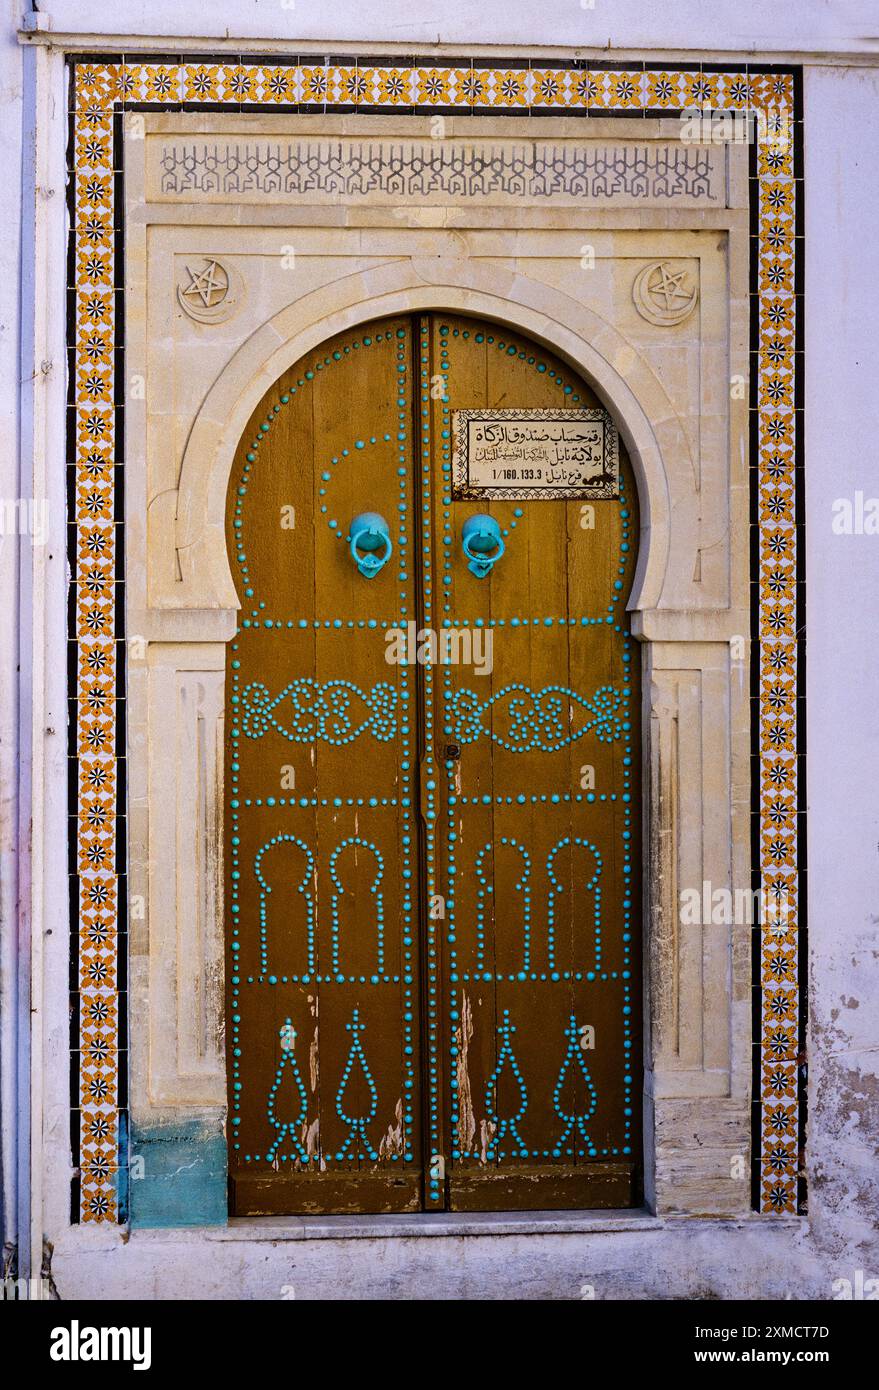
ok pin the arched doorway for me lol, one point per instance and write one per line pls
(433, 796)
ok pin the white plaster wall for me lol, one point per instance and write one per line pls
(623, 1258)
(806, 26)
(755, 1258)
(11, 119)
(34, 1028)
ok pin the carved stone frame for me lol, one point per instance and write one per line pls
(181, 601)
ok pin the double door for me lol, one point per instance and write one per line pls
(432, 796)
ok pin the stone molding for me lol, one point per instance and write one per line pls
(688, 443)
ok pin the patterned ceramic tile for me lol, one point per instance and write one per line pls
(509, 88)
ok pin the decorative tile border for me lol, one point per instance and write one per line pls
(101, 91)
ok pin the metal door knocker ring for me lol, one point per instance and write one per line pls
(481, 535)
(371, 545)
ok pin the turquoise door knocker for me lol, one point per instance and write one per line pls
(371, 544)
(480, 537)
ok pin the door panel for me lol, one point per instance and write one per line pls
(324, 1010)
(426, 923)
(541, 814)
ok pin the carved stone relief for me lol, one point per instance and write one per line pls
(665, 293)
(207, 290)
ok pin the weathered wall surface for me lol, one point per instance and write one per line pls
(842, 578)
(11, 122)
(628, 1259)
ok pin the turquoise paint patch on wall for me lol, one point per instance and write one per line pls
(178, 1175)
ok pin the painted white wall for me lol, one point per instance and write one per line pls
(842, 426)
(33, 651)
(11, 118)
(842, 595)
(749, 26)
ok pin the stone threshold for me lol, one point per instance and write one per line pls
(489, 1223)
(434, 1224)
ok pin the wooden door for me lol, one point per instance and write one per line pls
(432, 866)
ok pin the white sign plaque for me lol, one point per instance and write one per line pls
(549, 454)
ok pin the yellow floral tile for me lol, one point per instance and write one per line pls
(772, 90)
(665, 89)
(98, 1078)
(778, 962)
(97, 968)
(775, 158)
(160, 82)
(550, 87)
(93, 148)
(621, 91)
(474, 87)
(93, 189)
(700, 89)
(434, 87)
(97, 776)
(779, 1081)
(315, 82)
(508, 88)
(393, 86)
(201, 82)
(96, 851)
(733, 91)
(99, 1132)
(279, 84)
(92, 1035)
(779, 1195)
(94, 384)
(780, 1043)
(779, 1005)
(96, 86)
(99, 1199)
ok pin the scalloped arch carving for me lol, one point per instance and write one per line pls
(199, 577)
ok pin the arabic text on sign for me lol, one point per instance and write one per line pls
(554, 453)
